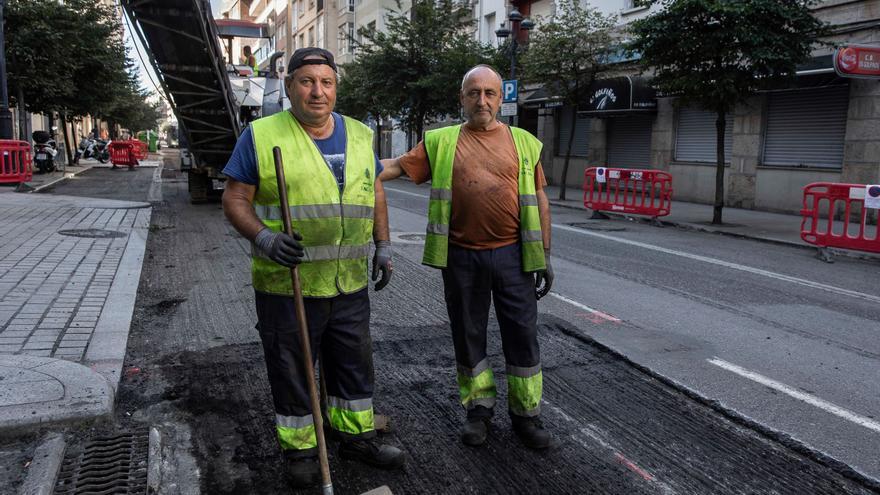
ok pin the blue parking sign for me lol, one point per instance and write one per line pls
(509, 90)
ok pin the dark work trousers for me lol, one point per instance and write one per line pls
(473, 279)
(339, 328)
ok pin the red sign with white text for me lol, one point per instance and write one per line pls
(857, 61)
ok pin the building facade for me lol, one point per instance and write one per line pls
(822, 128)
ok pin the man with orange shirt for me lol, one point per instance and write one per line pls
(489, 233)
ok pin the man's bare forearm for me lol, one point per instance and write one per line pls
(239, 210)
(380, 214)
(544, 213)
(391, 169)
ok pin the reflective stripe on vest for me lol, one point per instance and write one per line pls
(336, 228)
(440, 145)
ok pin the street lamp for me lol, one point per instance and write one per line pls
(517, 23)
(5, 114)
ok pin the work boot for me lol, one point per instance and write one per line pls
(531, 431)
(475, 431)
(303, 471)
(372, 452)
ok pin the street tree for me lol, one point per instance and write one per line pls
(716, 53)
(412, 70)
(566, 54)
(66, 57)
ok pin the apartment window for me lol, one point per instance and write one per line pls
(634, 4)
(311, 4)
(299, 8)
(351, 5)
(320, 39)
(346, 35)
(302, 41)
(312, 36)
(490, 29)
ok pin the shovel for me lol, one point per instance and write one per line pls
(309, 368)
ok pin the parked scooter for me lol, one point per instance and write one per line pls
(93, 148)
(45, 150)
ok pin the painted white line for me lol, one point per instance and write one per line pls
(728, 264)
(406, 192)
(808, 398)
(596, 312)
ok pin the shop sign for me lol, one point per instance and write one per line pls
(861, 61)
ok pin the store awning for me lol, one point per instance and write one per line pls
(235, 28)
(618, 95)
(540, 98)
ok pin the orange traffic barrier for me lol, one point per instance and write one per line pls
(823, 201)
(639, 192)
(123, 153)
(16, 166)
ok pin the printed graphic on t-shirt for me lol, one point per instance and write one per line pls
(337, 165)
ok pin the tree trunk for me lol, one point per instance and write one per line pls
(719, 168)
(68, 143)
(22, 117)
(563, 182)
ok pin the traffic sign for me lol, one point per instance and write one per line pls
(508, 109)
(509, 89)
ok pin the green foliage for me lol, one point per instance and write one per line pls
(412, 71)
(68, 57)
(566, 54)
(715, 53)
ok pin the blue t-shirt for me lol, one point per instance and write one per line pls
(242, 165)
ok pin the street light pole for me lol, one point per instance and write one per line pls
(517, 23)
(5, 114)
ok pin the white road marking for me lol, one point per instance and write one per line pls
(728, 264)
(802, 396)
(406, 192)
(596, 312)
(714, 261)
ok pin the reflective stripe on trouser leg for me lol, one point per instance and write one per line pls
(476, 386)
(524, 389)
(354, 417)
(296, 432)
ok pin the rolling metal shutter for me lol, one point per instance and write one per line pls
(695, 136)
(581, 134)
(806, 128)
(629, 141)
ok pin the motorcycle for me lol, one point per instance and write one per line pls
(45, 150)
(93, 148)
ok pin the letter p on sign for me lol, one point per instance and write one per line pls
(509, 90)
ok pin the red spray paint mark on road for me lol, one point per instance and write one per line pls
(599, 318)
(632, 467)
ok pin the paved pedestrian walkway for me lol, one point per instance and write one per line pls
(754, 224)
(69, 270)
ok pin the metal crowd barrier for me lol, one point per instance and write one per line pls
(620, 190)
(16, 166)
(140, 149)
(855, 228)
(123, 153)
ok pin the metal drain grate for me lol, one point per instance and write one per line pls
(114, 464)
(93, 233)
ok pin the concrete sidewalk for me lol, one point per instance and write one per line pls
(42, 181)
(69, 272)
(751, 224)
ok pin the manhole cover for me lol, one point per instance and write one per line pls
(111, 464)
(602, 225)
(93, 233)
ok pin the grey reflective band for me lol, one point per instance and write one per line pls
(441, 194)
(355, 405)
(528, 200)
(476, 370)
(357, 211)
(438, 228)
(531, 236)
(523, 372)
(487, 402)
(310, 212)
(324, 253)
(294, 421)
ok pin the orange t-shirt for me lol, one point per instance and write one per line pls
(485, 187)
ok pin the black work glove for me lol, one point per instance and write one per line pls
(544, 278)
(382, 261)
(280, 247)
